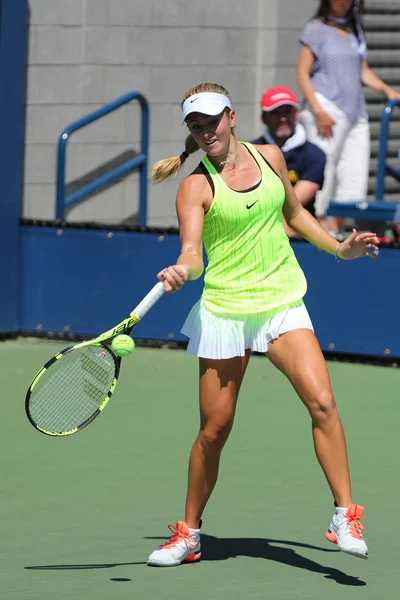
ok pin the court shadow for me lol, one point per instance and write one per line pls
(82, 567)
(216, 549)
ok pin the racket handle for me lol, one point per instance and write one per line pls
(148, 301)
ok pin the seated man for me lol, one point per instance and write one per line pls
(305, 161)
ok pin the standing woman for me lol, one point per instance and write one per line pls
(252, 301)
(331, 72)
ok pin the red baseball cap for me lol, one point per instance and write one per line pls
(278, 96)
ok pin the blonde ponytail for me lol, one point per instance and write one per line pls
(170, 166)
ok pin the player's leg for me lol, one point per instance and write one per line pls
(220, 382)
(298, 355)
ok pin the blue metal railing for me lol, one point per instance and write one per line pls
(383, 167)
(140, 161)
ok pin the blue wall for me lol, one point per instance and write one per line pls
(13, 32)
(87, 281)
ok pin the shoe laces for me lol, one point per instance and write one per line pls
(180, 534)
(353, 516)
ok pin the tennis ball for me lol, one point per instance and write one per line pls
(123, 345)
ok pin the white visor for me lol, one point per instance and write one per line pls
(207, 103)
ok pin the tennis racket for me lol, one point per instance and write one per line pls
(73, 387)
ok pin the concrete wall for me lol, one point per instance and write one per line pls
(84, 53)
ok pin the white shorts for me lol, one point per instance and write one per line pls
(219, 336)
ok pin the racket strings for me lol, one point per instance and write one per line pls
(72, 389)
(94, 370)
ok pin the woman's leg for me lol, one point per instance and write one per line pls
(298, 355)
(220, 382)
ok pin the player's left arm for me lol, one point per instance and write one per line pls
(305, 225)
(305, 191)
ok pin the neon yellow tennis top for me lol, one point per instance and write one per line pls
(251, 265)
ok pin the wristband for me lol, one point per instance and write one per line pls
(336, 252)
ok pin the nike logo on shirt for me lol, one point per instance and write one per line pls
(249, 206)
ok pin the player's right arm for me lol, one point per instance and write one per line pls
(192, 201)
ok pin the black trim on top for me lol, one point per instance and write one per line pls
(250, 189)
(253, 187)
(269, 164)
(205, 172)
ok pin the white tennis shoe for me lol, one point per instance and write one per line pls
(182, 547)
(345, 530)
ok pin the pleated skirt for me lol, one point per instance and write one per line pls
(225, 336)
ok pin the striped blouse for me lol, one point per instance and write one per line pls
(337, 70)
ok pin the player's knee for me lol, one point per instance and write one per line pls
(216, 432)
(323, 407)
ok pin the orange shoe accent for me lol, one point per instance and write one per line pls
(332, 537)
(193, 557)
(181, 532)
(354, 515)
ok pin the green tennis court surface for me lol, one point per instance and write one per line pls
(80, 515)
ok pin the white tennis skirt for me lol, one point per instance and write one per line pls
(220, 336)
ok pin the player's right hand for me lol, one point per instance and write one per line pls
(173, 277)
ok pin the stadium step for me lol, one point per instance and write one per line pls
(382, 24)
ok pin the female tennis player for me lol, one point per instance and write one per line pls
(252, 301)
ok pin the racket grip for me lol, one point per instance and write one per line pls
(149, 300)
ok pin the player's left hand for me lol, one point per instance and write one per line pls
(359, 245)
